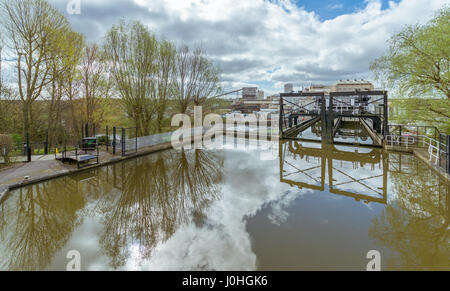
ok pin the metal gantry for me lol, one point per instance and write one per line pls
(302, 110)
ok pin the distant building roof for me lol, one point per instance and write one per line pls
(353, 82)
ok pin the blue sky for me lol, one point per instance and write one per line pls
(332, 8)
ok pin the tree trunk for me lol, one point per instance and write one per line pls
(26, 122)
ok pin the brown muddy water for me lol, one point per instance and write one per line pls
(288, 206)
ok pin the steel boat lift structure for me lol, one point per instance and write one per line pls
(301, 110)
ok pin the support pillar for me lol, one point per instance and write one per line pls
(385, 115)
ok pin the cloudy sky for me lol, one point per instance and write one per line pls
(267, 43)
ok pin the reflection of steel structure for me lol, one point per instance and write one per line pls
(297, 162)
(354, 130)
(301, 110)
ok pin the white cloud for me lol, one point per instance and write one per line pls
(336, 6)
(250, 38)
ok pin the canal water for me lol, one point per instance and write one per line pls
(247, 206)
(349, 132)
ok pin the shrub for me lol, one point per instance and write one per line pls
(102, 139)
(17, 138)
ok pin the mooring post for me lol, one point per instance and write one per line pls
(114, 140)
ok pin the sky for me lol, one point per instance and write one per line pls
(267, 43)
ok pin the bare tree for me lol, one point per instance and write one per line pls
(132, 53)
(207, 82)
(94, 82)
(32, 27)
(164, 78)
(196, 77)
(1, 60)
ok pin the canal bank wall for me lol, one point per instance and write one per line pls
(44, 170)
(36, 172)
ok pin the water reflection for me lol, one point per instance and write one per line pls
(155, 197)
(39, 224)
(317, 206)
(140, 203)
(348, 132)
(352, 132)
(416, 224)
(360, 173)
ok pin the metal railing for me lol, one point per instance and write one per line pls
(439, 152)
(398, 140)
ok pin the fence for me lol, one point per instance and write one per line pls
(123, 141)
(427, 137)
(28, 148)
(414, 130)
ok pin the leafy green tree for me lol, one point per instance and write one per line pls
(417, 62)
(421, 111)
(64, 56)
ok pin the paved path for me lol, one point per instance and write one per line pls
(22, 159)
(43, 168)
